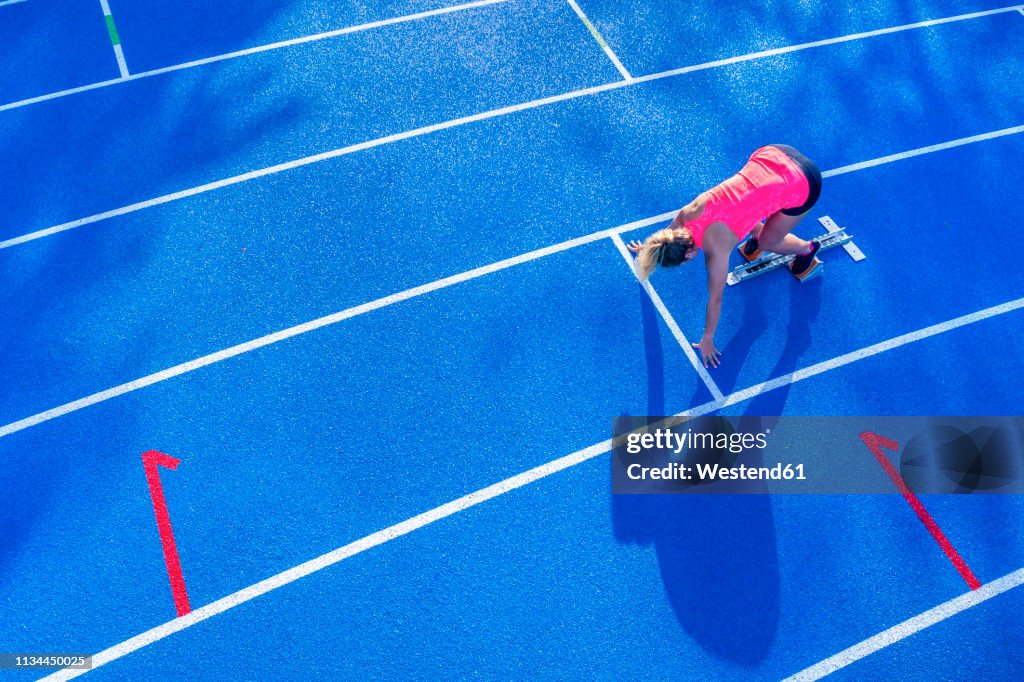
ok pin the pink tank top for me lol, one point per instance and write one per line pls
(768, 183)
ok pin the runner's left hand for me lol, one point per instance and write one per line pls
(708, 352)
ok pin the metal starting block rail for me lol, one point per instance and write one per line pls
(834, 236)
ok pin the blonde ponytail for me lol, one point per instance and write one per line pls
(652, 252)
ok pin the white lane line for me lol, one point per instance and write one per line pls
(351, 149)
(671, 323)
(391, 21)
(64, 93)
(600, 40)
(518, 481)
(347, 551)
(320, 36)
(578, 93)
(902, 340)
(122, 65)
(10, 2)
(115, 39)
(255, 50)
(318, 323)
(411, 293)
(924, 150)
(348, 313)
(333, 557)
(212, 358)
(910, 627)
(453, 123)
(828, 41)
(271, 170)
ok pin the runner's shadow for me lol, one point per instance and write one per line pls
(717, 559)
(804, 306)
(716, 553)
(734, 353)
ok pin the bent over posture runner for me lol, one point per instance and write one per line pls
(777, 181)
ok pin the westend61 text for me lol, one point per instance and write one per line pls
(715, 472)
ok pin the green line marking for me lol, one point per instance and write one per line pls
(112, 30)
(594, 32)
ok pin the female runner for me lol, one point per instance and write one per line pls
(778, 182)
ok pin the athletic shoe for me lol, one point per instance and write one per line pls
(803, 266)
(750, 250)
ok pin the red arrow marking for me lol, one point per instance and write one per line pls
(150, 460)
(875, 443)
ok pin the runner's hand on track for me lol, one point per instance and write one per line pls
(635, 246)
(708, 352)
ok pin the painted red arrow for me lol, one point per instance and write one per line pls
(150, 461)
(875, 443)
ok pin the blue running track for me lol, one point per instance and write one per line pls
(351, 279)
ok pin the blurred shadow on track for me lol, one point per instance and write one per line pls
(804, 306)
(717, 554)
(735, 352)
(654, 355)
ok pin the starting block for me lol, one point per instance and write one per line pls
(834, 236)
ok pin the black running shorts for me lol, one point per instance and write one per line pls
(813, 179)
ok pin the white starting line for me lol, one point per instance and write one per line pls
(600, 40)
(670, 322)
(115, 39)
